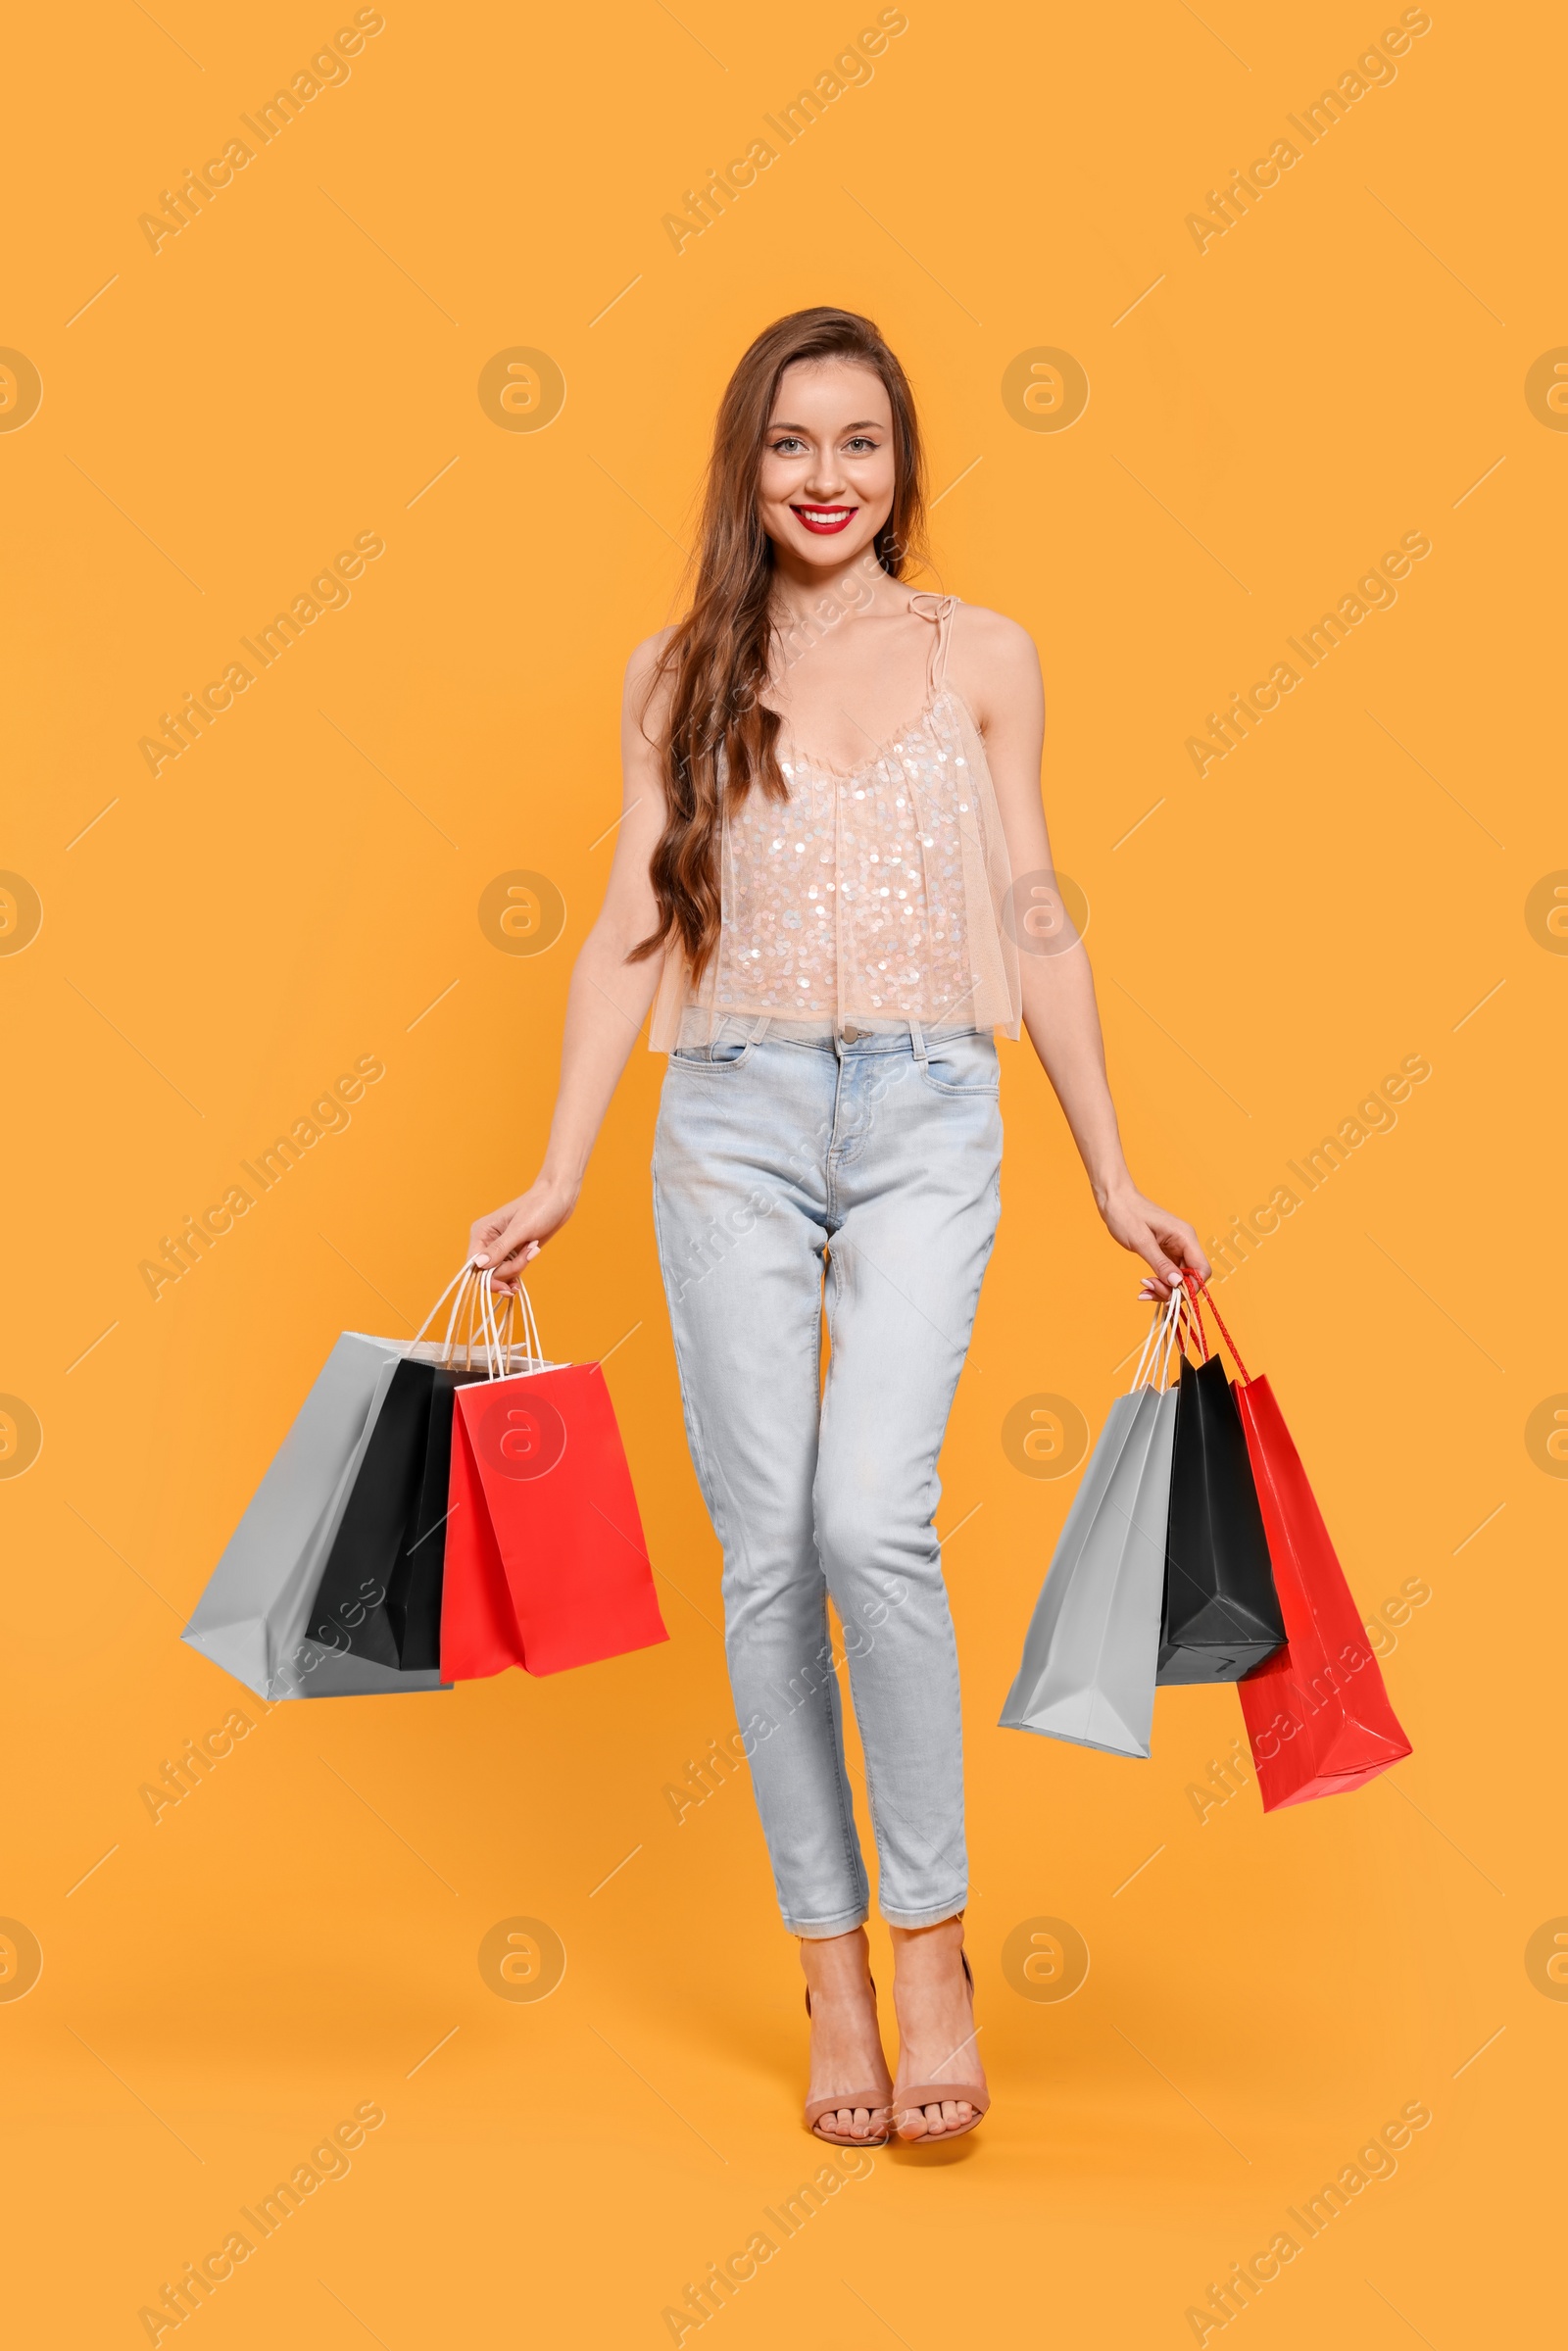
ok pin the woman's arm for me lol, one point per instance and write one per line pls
(607, 1001)
(1059, 1010)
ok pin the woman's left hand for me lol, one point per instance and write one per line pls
(1165, 1243)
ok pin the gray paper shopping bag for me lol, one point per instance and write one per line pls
(251, 1618)
(1092, 1644)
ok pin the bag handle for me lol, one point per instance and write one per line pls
(496, 1329)
(495, 1339)
(1194, 1281)
(1175, 1340)
(522, 1303)
(460, 1283)
(1191, 1332)
(1194, 1319)
(465, 1318)
(473, 1316)
(1153, 1363)
(1190, 1329)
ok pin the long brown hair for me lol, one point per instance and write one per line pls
(719, 737)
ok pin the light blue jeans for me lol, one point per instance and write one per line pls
(879, 1155)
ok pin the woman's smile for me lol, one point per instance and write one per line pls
(823, 519)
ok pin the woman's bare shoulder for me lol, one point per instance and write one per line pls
(646, 657)
(648, 684)
(994, 660)
(992, 636)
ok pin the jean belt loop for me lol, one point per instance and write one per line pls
(917, 1040)
(758, 1028)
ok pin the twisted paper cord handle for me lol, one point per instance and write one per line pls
(1195, 1281)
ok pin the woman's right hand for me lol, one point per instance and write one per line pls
(506, 1238)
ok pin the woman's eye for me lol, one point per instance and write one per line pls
(860, 444)
(788, 446)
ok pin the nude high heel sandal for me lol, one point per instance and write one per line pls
(940, 2094)
(875, 2101)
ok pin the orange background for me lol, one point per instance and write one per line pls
(300, 364)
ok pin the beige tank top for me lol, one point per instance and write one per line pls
(865, 900)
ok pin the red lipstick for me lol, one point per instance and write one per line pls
(823, 520)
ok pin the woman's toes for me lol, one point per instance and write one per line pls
(933, 2122)
(852, 2124)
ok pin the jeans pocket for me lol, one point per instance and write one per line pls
(965, 1065)
(725, 1052)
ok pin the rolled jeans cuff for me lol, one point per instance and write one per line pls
(927, 1918)
(819, 1929)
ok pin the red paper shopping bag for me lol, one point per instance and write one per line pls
(1317, 1713)
(545, 1561)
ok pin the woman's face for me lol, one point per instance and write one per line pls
(827, 476)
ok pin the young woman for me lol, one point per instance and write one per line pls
(831, 853)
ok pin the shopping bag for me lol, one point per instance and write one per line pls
(1089, 1656)
(1221, 1613)
(252, 1616)
(380, 1596)
(1317, 1712)
(546, 1567)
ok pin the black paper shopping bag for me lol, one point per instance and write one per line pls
(380, 1596)
(414, 1591)
(1221, 1615)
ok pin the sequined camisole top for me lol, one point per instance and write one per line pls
(866, 900)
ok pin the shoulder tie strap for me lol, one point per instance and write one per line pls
(941, 613)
